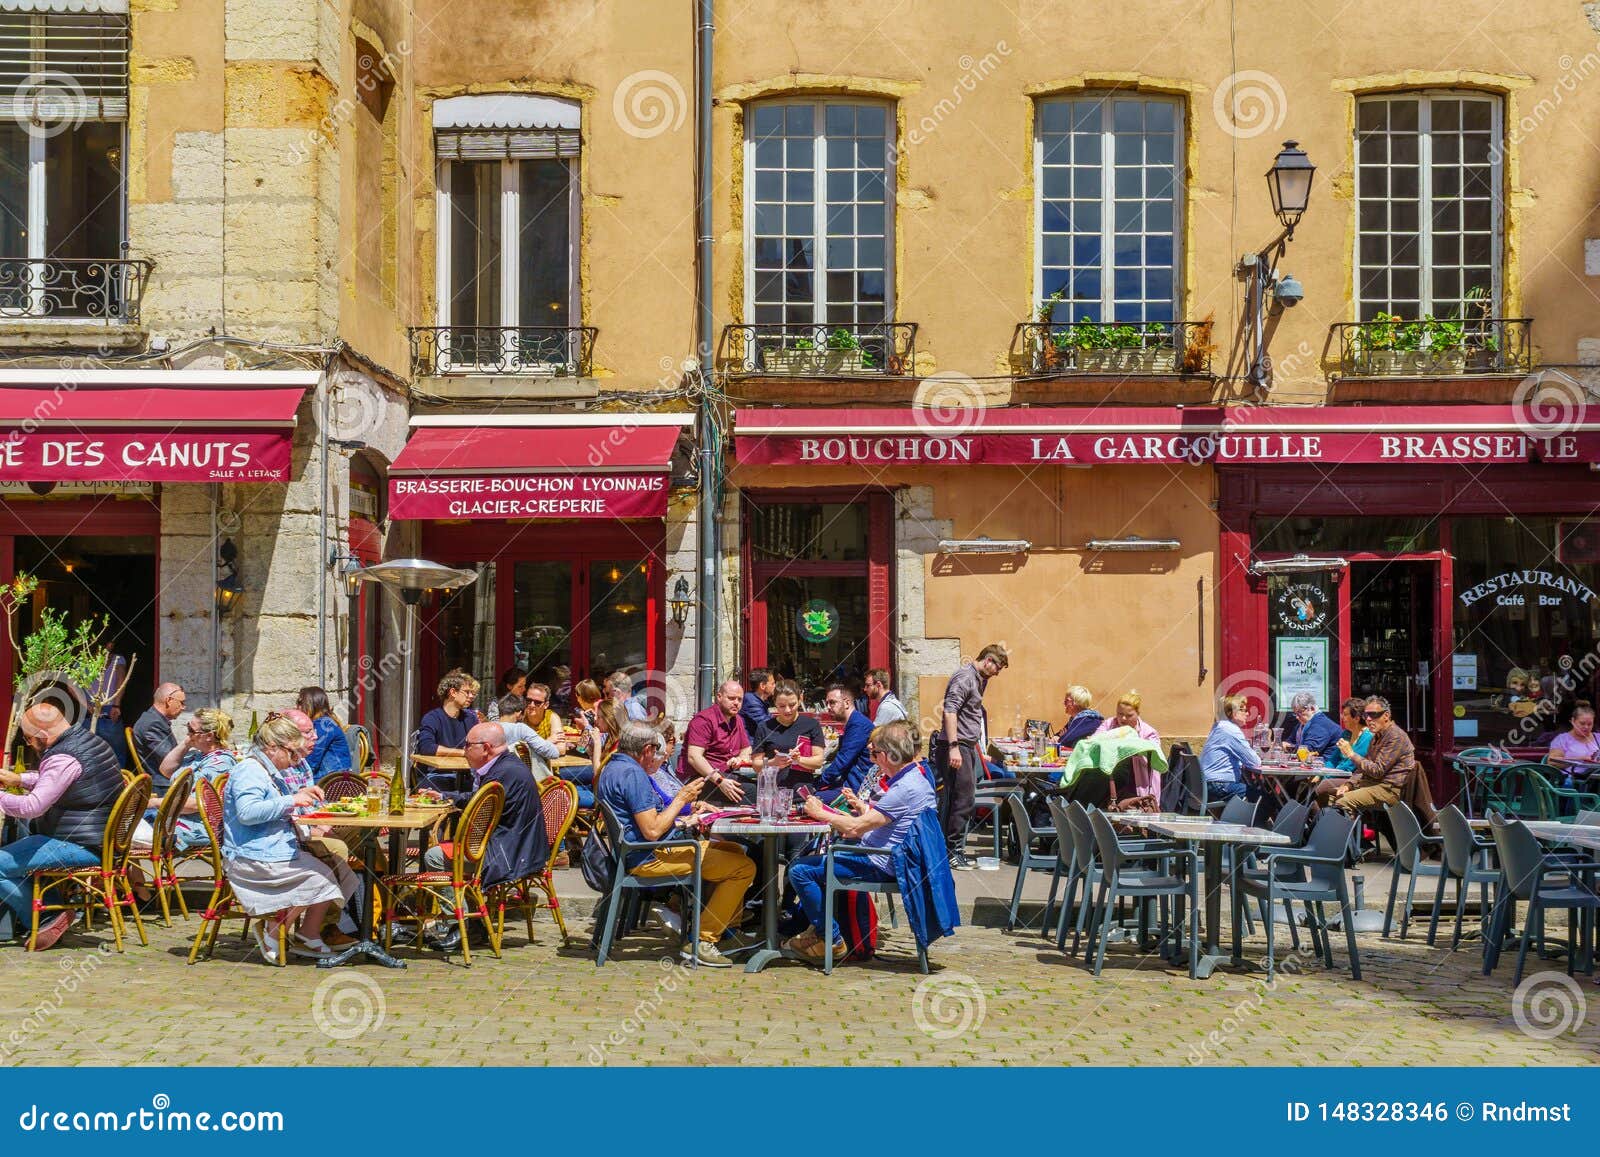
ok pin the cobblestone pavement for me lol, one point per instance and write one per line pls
(993, 998)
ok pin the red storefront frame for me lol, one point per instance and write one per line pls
(107, 517)
(1247, 492)
(877, 567)
(469, 544)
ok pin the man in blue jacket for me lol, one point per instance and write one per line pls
(1312, 729)
(755, 710)
(852, 761)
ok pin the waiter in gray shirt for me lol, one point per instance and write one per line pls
(958, 746)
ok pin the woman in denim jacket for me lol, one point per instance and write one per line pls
(270, 872)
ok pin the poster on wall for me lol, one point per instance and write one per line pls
(1302, 666)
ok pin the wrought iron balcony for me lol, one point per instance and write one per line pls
(1152, 348)
(847, 349)
(1392, 347)
(73, 289)
(527, 351)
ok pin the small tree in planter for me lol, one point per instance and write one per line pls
(55, 663)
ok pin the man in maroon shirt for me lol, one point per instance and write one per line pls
(715, 740)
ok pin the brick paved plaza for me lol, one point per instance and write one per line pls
(993, 998)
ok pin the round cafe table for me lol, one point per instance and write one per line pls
(367, 829)
(770, 833)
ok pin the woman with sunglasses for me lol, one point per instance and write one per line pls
(271, 874)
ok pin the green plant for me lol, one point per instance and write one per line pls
(1046, 312)
(1092, 335)
(75, 655)
(803, 343)
(843, 339)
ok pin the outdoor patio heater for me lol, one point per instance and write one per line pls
(410, 579)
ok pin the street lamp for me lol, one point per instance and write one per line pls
(680, 602)
(1289, 184)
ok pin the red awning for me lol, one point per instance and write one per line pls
(148, 425)
(617, 470)
(1209, 434)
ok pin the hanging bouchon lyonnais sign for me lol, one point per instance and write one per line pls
(1527, 588)
(1302, 607)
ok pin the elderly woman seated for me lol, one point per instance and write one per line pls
(1146, 781)
(205, 750)
(271, 875)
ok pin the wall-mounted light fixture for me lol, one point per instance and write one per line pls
(348, 568)
(1133, 542)
(1289, 186)
(984, 545)
(681, 601)
(230, 591)
(1299, 563)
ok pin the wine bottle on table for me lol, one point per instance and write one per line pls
(397, 792)
(255, 724)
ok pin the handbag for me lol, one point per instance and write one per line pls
(596, 863)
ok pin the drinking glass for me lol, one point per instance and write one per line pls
(785, 801)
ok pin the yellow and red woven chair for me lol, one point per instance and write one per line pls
(462, 884)
(559, 799)
(162, 855)
(221, 906)
(106, 884)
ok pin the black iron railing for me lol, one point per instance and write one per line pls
(1041, 348)
(79, 289)
(820, 351)
(1430, 348)
(533, 351)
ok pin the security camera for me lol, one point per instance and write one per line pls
(1288, 292)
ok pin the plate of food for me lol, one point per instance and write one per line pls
(427, 801)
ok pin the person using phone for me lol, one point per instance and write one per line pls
(791, 741)
(882, 825)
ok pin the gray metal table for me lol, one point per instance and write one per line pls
(769, 834)
(1573, 835)
(1214, 836)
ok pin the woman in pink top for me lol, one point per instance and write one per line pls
(1578, 744)
(1145, 780)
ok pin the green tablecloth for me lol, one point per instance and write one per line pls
(1103, 752)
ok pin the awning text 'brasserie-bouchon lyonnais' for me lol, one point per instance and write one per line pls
(594, 468)
(1325, 435)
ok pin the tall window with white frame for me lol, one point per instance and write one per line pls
(508, 235)
(819, 188)
(1428, 219)
(1109, 206)
(63, 111)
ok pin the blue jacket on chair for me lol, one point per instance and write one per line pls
(927, 889)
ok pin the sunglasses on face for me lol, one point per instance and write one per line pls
(1373, 714)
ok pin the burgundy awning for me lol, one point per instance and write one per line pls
(148, 425)
(618, 470)
(1210, 434)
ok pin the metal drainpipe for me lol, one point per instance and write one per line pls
(322, 535)
(710, 580)
(216, 612)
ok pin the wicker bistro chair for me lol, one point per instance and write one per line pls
(133, 753)
(462, 883)
(163, 854)
(128, 776)
(559, 799)
(82, 889)
(222, 904)
(343, 785)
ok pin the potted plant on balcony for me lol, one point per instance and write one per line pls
(845, 355)
(1198, 345)
(799, 356)
(1046, 353)
(1120, 348)
(1380, 345)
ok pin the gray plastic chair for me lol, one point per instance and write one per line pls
(1126, 874)
(1030, 860)
(1323, 860)
(626, 887)
(832, 886)
(1409, 861)
(1290, 821)
(1524, 867)
(1465, 862)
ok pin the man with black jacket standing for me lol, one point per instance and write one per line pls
(66, 803)
(957, 749)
